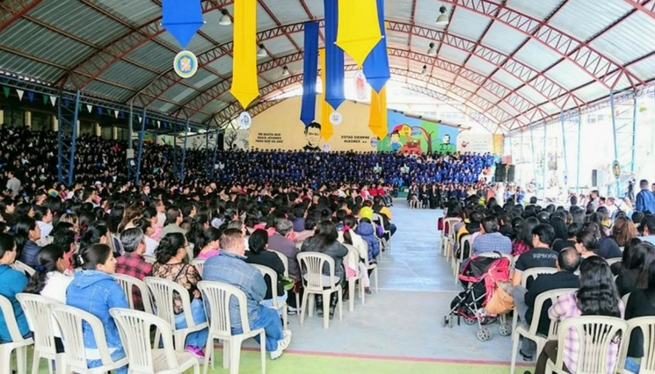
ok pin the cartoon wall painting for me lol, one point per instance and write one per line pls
(412, 135)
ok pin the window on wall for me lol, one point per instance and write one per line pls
(14, 117)
(41, 121)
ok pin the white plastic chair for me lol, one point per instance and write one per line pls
(17, 265)
(150, 259)
(217, 298)
(162, 291)
(314, 284)
(530, 332)
(352, 261)
(596, 334)
(374, 271)
(18, 343)
(128, 283)
(134, 328)
(70, 321)
(285, 261)
(647, 327)
(527, 275)
(199, 264)
(614, 260)
(266, 271)
(457, 261)
(379, 221)
(448, 226)
(38, 312)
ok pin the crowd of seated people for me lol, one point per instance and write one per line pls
(574, 240)
(76, 237)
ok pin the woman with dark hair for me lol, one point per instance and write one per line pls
(171, 265)
(96, 233)
(637, 258)
(259, 254)
(207, 245)
(325, 240)
(7, 209)
(607, 247)
(561, 230)
(12, 282)
(523, 241)
(586, 243)
(641, 303)
(94, 290)
(27, 234)
(571, 232)
(198, 227)
(50, 279)
(597, 296)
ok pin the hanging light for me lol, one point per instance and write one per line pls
(225, 18)
(442, 20)
(285, 71)
(424, 72)
(261, 52)
(432, 50)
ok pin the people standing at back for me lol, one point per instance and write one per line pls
(645, 198)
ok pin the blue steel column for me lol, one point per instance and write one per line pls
(533, 160)
(141, 134)
(577, 161)
(66, 146)
(545, 162)
(186, 137)
(566, 159)
(624, 126)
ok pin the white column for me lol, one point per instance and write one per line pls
(55, 123)
(98, 129)
(114, 132)
(28, 118)
(2, 117)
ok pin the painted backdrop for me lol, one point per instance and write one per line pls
(279, 128)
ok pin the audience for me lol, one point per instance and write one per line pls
(258, 254)
(490, 240)
(539, 256)
(12, 282)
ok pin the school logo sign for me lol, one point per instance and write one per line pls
(185, 64)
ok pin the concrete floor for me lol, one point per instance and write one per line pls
(404, 319)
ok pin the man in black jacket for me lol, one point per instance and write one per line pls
(567, 263)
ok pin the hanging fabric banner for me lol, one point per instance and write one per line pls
(89, 107)
(377, 120)
(308, 108)
(326, 109)
(358, 28)
(334, 71)
(376, 65)
(53, 99)
(30, 96)
(182, 19)
(45, 99)
(20, 94)
(99, 110)
(6, 90)
(245, 85)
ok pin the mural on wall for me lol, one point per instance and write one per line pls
(235, 139)
(413, 135)
(475, 142)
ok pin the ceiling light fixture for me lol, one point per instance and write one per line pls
(442, 20)
(432, 50)
(285, 72)
(424, 72)
(225, 18)
(261, 52)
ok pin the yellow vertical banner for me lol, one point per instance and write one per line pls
(497, 146)
(359, 28)
(326, 109)
(245, 86)
(377, 120)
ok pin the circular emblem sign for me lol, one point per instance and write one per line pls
(616, 169)
(374, 142)
(185, 64)
(336, 118)
(245, 121)
(360, 85)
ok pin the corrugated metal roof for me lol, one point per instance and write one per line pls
(135, 12)
(626, 41)
(568, 75)
(108, 91)
(538, 9)
(37, 70)
(503, 38)
(584, 18)
(536, 55)
(644, 69)
(468, 24)
(153, 55)
(129, 74)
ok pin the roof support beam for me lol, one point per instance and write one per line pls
(646, 6)
(12, 10)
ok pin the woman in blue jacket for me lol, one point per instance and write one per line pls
(366, 230)
(95, 291)
(12, 282)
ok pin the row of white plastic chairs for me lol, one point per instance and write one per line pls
(157, 291)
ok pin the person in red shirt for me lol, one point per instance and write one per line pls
(132, 262)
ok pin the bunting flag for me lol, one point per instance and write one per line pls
(45, 99)
(245, 85)
(30, 96)
(377, 120)
(6, 90)
(140, 119)
(89, 107)
(308, 108)
(20, 94)
(358, 26)
(53, 99)
(376, 65)
(182, 19)
(326, 109)
(99, 110)
(334, 71)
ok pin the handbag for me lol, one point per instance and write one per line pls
(501, 301)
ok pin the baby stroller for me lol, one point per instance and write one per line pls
(479, 277)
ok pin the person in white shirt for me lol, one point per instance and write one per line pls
(43, 217)
(13, 184)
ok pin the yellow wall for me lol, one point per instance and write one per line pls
(279, 127)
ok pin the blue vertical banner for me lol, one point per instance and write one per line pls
(334, 71)
(376, 65)
(182, 18)
(310, 68)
